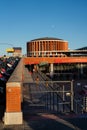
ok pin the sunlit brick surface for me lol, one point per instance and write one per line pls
(13, 99)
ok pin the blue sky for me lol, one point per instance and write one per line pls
(24, 20)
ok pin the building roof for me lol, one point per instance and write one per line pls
(83, 48)
(17, 48)
(46, 38)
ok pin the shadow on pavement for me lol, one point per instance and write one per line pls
(34, 120)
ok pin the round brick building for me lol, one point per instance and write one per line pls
(46, 47)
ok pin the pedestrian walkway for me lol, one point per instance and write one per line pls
(27, 76)
(42, 121)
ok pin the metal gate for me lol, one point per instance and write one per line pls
(48, 96)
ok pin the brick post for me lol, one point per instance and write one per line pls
(13, 114)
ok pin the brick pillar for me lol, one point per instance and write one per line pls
(13, 114)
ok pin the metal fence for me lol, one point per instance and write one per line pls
(52, 96)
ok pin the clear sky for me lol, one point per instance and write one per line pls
(24, 20)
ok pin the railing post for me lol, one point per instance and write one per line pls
(72, 95)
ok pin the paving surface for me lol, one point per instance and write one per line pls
(46, 121)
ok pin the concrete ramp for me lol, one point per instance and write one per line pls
(27, 76)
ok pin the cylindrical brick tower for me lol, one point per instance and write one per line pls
(46, 47)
